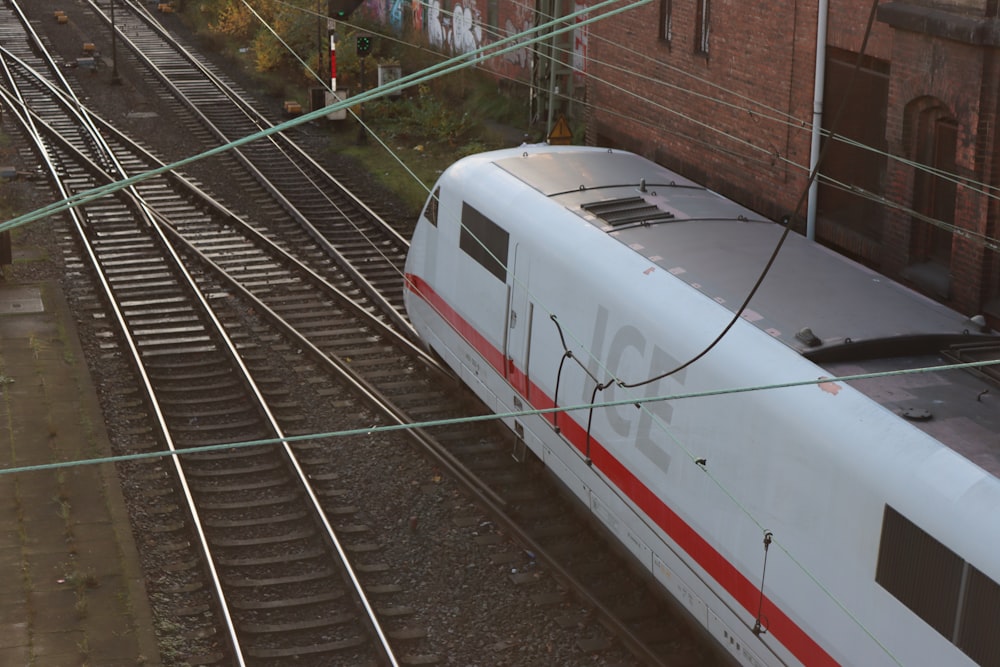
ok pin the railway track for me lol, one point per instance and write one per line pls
(268, 289)
(254, 510)
(339, 223)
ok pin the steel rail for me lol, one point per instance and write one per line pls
(295, 157)
(375, 397)
(36, 127)
(104, 129)
(157, 222)
(35, 132)
(486, 496)
(489, 498)
(182, 477)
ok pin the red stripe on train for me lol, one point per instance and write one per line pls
(745, 592)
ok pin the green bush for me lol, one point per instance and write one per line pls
(421, 117)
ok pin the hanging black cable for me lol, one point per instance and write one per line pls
(590, 417)
(758, 628)
(798, 207)
(568, 354)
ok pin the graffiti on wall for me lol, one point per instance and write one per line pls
(518, 21)
(416, 16)
(455, 32)
(462, 28)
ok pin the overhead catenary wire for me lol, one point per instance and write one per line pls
(373, 430)
(496, 416)
(986, 240)
(453, 64)
(628, 401)
(326, 85)
(773, 115)
(718, 483)
(979, 187)
(738, 314)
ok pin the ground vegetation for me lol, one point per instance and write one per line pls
(405, 140)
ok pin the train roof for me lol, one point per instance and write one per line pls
(845, 317)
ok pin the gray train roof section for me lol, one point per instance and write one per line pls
(721, 248)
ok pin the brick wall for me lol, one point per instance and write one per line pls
(738, 119)
(925, 70)
(735, 119)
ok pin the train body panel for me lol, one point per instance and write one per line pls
(539, 273)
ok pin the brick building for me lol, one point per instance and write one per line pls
(723, 92)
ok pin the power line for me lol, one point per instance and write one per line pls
(494, 416)
(631, 401)
(773, 115)
(449, 66)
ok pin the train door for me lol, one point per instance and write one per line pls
(519, 315)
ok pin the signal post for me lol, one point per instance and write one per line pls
(337, 10)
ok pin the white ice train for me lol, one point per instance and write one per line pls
(828, 523)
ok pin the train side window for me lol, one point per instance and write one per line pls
(484, 241)
(977, 631)
(431, 208)
(939, 586)
(919, 571)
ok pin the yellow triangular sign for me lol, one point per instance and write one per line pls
(561, 135)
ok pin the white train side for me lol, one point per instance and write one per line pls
(538, 272)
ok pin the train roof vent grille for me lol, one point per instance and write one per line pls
(627, 211)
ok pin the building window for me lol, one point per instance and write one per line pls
(935, 191)
(701, 26)
(484, 241)
(932, 133)
(865, 91)
(667, 20)
(940, 587)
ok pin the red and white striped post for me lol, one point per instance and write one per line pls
(339, 10)
(333, 59)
